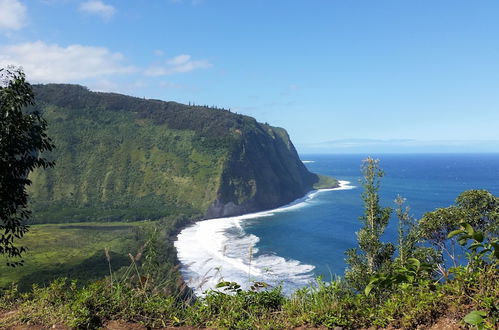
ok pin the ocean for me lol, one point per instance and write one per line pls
(294, 244)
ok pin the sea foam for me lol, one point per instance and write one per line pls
(219, 249)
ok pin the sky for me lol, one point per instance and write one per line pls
(400, 74)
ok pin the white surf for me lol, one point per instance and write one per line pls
(219, 249)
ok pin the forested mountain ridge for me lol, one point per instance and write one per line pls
(121, 157)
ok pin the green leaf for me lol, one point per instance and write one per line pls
(495, 245)
(414, 262)
(475, 317)
(478, 236)
(467, 227)
(369, 288)
(462, 240)
(223, 284)
(455, 232)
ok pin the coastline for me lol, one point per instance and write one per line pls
(218, 249)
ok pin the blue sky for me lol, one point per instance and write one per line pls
(328, 71)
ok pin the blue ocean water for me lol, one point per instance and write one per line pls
(293, 244)
(319, 233)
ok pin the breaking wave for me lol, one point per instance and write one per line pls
(219, 249)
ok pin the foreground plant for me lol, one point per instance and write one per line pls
(483, 252)
(372, 255)
(22, 140)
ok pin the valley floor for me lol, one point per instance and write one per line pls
(75, 250)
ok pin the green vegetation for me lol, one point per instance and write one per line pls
(325, 182)
(73, 250)
(125, 158)
(407, 291)
(470, 296)
(22, 140)
(78, 250)
(110, 166)
(372, 256)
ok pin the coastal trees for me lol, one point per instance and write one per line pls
(479, 208)
(22, 138)
(372, 255)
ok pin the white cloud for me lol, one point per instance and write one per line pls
(179, 60)
(178, 64)
(52, 63)
(12, 15)
(97, 7)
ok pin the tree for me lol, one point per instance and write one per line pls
(409, 239)
(22, 139)
(372, 255)
(479, 208)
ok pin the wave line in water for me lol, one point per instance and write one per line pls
(219, 249)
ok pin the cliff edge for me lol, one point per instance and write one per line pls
(120, 157)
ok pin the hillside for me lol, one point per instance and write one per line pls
(120, 157)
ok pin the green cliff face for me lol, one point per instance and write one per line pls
(120, 157)
(262, 172)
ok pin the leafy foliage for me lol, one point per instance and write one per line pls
(481, 210)
(478, 208)
(22, 138)
(410, 273)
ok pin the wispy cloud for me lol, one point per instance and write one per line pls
(178, 64)
(52, 63)
(97, 7)
(13, 15)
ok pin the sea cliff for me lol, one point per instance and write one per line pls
(123, 158)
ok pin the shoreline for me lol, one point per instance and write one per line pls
(218, 249)
(339, 185)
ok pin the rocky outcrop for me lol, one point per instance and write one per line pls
(262, 172)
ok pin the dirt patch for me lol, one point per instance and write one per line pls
(445, 323)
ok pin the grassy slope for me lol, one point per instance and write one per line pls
(73, 250)
(112, 166)
(420, 305)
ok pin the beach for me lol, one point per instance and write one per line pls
(219, 249)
